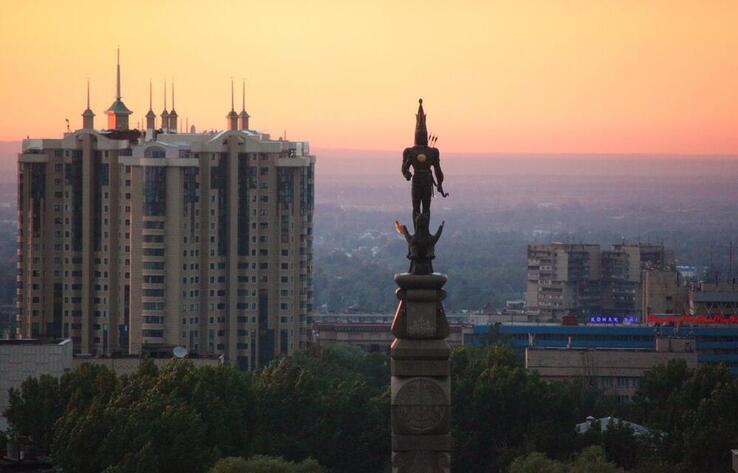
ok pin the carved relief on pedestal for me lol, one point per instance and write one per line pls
(421, 406)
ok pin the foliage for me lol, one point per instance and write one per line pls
(332, 404)
(696, 409)
(590, 460)
(536, 463)
(34, 407)
(500, 411)
(342, 408)
(263, 464)
(178, 419)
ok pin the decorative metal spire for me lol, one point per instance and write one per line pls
(117, 79)
(173, 126)
(150, 115)
(244, 116)
(164, 113)
(88, 116)
(232, 116)
(118, 113)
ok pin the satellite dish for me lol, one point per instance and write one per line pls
(179, 352)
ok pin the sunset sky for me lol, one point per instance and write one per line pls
(560, 76)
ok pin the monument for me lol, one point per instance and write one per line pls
(420, 386)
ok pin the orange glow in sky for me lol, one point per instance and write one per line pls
(564, 76)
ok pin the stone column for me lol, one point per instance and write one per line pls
(420, 386)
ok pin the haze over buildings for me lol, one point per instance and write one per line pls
(135, 241)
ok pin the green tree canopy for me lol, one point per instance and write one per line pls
(263, 464)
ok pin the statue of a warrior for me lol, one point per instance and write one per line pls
(422, 158)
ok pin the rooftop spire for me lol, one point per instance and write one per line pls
(232, 116)
(244, 116)
(150, 115)
(88, 116)
(118, 112)
(164, 113)
(117, 79)
(173, 114)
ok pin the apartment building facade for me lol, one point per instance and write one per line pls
(584, 280)
(137, 241)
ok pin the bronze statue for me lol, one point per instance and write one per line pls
(421, 247)
(422, 158)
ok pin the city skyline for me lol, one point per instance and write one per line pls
(553, 77)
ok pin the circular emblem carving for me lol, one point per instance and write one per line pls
(422, 157)
(421, 406)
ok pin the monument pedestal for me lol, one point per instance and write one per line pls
(420, 386)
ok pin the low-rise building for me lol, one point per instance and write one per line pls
(615, 372)
(714, 344)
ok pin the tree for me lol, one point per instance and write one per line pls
(501, 411)
(340, 410)
(536, 463)
(179, 418)
(262, 464)
(592, 460)
(38, 403)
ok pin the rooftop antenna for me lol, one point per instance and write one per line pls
(232, 105)
(88, 93)
(150, 94)
(243, 95)
(165, 94)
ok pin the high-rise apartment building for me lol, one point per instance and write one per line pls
(562, 277)
(583, 280)
(136, 241)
